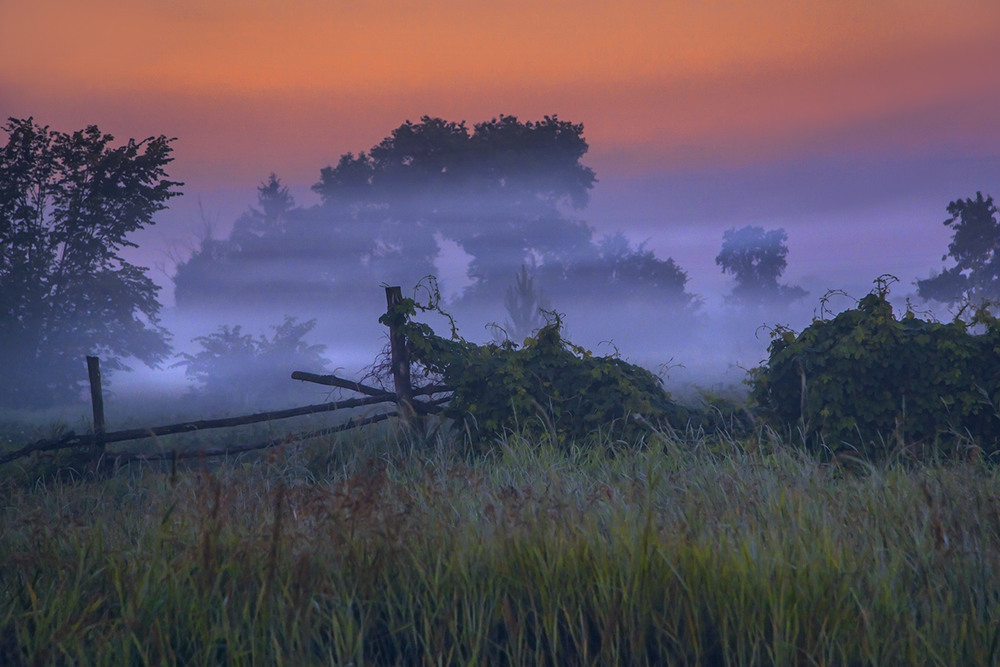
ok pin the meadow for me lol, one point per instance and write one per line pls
(686, 548)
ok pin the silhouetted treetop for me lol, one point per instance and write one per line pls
(503, 190)
(350, 182)
(275, 203)
(975, 248)
(612, 268)
(503, 157)
(756, 259)
(497, 189)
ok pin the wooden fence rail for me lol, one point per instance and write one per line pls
(409, 411)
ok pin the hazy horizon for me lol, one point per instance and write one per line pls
(851, 125)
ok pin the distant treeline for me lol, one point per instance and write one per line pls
(506, 192)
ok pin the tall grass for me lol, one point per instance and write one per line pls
(370, 551)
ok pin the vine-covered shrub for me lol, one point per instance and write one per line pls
(547, 387)
(866, 379)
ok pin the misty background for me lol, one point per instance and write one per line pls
(684, 273)
(847, 222)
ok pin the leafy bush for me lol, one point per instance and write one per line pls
(865, 378)
(236, 369)
(547, 387)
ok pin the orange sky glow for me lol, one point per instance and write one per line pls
(255, 86)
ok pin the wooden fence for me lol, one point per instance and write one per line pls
(409, 410)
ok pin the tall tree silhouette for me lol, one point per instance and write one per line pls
(67, 205)
(975, 249)
(257, 262)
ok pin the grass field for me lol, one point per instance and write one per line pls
(684, 549)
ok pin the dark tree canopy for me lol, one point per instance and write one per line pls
(975, 249)
(67, 204)
(756, 259)
(496, 190)
(499, 161)
(505, 191)
(275, 204)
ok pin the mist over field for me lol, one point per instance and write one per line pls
(826, 140)
(847, 224)
(630, 263)
(694, 313)
(686, 274)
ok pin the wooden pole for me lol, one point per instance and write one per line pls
(97, 401)
(400, 361)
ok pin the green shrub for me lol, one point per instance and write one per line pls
(866, 379)
(548, 387)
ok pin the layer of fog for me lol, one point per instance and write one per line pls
(847, 223)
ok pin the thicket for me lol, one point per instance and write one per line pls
(547, 387)
(868, 380)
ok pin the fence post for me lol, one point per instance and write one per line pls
(97, 401)
(400, 361)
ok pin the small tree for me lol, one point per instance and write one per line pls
(275, 203)
(524, 304)
(637, 271)
(975, 247)
(756, 259)
(235, 369)
(67, 205)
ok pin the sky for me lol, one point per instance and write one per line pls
(849, 123)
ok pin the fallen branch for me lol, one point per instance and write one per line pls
(334, 381)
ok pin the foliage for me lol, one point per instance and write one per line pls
(495, 189)
(975, 248)
(547, 386)
(865, 378)
(67, 205)
(504, 190)
(239, 370)
(616, 271)
(756, 260)
(275, 204)
(254, 262)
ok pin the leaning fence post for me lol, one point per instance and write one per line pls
(399, 359)
(97, 401)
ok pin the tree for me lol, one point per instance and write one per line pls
(756, 259)
(275, 204)
(637, 271)
(975, 247)
(67, 204)
(256, 261)
(524, 303)
(237, 370)
(505, 191)
(498, 191)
